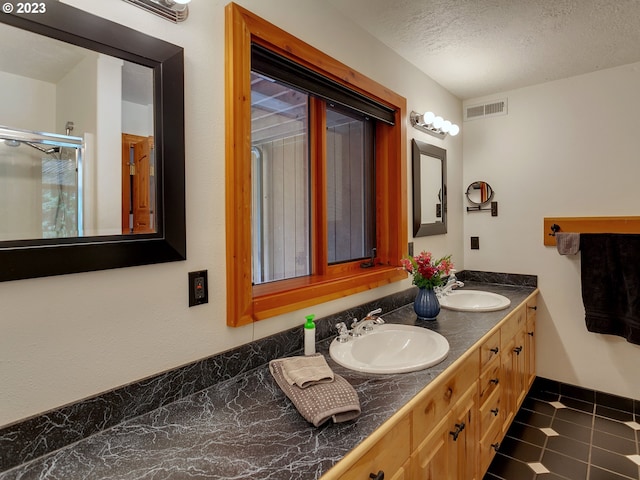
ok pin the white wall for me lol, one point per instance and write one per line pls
(69, 337)
(566, 148)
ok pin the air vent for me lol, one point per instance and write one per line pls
(492, 109)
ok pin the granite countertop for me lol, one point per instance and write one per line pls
(246, 428)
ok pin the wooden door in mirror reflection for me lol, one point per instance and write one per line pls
(137, 198)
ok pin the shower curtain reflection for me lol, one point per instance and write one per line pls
(40, 185)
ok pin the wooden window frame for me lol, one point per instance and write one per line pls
(247, 303)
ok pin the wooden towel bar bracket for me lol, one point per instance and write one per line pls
(588, 225)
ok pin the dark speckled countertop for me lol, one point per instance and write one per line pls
(246, 428)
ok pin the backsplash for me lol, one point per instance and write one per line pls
(36, 436)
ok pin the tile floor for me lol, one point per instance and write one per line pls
(566, 432)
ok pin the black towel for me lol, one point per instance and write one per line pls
(611, 284)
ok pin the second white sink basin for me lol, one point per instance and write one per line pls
(474, 301)
(391, 348)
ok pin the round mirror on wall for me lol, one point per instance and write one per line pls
(479, 193)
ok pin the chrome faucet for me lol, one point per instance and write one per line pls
(366, 324)
(451, 284)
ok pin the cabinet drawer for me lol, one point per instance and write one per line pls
(490, 412)
(512, 325)
(490, 380)
(489, 350)
(389, 454)
(438, 401)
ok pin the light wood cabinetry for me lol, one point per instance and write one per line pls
(448, 450)
(387, 455)
(453, 428)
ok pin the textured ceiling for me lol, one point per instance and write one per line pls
(481, 47)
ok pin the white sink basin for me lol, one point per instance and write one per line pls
(391, 348)
(474, 301)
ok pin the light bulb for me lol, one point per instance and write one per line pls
(181, 2)
(437, 122)
(427, 118)
(454, 130)
(446, 126)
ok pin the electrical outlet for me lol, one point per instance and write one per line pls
(475, 243)
(411, 248)
(198, 288)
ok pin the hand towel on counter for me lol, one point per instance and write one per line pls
(318, 403)
(610, 273)
(567, 243)
(306, 370)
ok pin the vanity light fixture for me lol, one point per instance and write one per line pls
(433, 125)
(173, 10)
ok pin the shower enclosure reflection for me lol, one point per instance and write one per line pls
(40, 185)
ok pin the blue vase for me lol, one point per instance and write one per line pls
(426, 304)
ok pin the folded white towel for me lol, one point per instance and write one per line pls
(567, 243)
(306, 370)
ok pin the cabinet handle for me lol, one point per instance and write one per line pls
(495, 446)
(377, 476)
(530, 334)
(494, 350)
(494, 411)
(495, 381)
(535, 307)
(458, 430)
(517, 350)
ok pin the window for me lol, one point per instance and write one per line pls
(315, 175)
(280, 179)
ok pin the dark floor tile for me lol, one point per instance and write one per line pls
(575, 416)
(538, 406)
(613, 462)
(614, 428)
(526, 433)
(569, 447)
(578, 393)
(550, 476)
(510, 469)
(533, 419)
(572, 430)
(575, 404)
(523, 451)
(614, 401)
(564, 466)
(614, 414)
(541, 384)
(596, 473)
(490, 476)
(545, 396)
(614, 443)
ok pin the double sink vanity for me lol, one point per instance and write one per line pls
(445, 420)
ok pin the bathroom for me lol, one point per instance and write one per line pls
(566, 148)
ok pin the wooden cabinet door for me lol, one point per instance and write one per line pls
(388, 455)
(530, 341)
(450, 450)
(463, 449)
(430, 461)
(509, 376)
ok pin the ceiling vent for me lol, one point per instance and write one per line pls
(492, 109)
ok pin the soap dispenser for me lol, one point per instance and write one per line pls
(309, 335)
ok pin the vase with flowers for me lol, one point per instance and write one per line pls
(427, 274)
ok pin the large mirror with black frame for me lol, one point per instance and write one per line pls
(429, 189)
(91, 145)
